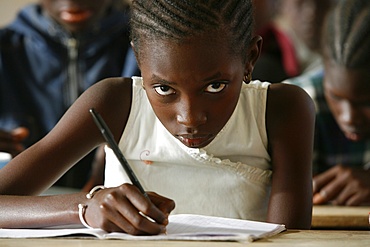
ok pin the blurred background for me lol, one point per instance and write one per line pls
(9, 8)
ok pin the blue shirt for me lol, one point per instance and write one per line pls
(43, 68)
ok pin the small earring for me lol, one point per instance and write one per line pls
(247, 78)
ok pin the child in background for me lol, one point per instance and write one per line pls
(194, 128)
(50, 54)
(342, 97)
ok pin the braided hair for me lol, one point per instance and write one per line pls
(179, 20)
(346, 36)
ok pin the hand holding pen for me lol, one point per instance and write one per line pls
(125, 208)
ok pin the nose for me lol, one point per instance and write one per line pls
(190, 113)
(350, 114)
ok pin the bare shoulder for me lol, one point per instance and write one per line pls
(289, 110)
(110, 93)
(288, 99)
(110, 97)
(112, 86)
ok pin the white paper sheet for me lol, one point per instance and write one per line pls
(180, 227)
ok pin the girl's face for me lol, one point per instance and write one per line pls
(192, 87)
(75, 15)
(347, 92)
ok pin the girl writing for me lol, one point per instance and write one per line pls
(194, 127)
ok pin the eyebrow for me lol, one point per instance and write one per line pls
(163, 81)
(212, 77)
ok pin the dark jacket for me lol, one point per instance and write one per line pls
(43, 68)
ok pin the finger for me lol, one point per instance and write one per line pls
(113, 205)
(323, 196)
(164, 204)
(145, 206)
(110, 219)
(345, 194)
(331, 191)
(356, 199)
(352, 196)
(344, 186)
(139, 223)
(136, 204)
(123, 220)
(320, 197)
(320, 180)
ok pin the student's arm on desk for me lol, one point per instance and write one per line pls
(290, 127)
(38, 167)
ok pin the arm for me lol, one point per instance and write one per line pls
(290, 127)
(76, 134)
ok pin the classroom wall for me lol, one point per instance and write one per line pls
(9, 8)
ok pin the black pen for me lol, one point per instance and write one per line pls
(113, 145)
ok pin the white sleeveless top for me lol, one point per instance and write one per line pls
(230, 177)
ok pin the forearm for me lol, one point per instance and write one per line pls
(39, 211)
(295, 214)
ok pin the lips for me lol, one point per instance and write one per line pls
(195, 141)
(75, 15)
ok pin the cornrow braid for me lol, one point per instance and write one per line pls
(178, 20)
(346, 36)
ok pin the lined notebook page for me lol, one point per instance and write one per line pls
(181, 227)
(217, 227)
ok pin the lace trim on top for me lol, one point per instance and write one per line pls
(246, 171)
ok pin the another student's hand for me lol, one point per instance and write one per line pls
(11, 142)
(121, 209)
(342, 186)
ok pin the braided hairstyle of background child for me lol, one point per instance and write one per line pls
(346, 36)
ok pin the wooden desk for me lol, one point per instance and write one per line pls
(289, 238)
(340, 217)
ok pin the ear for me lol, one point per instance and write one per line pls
(253, 54)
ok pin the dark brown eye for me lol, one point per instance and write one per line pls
(215, 87)
(164, 90)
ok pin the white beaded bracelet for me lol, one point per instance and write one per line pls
(82, 207)
(81, 212)
(94, 190)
